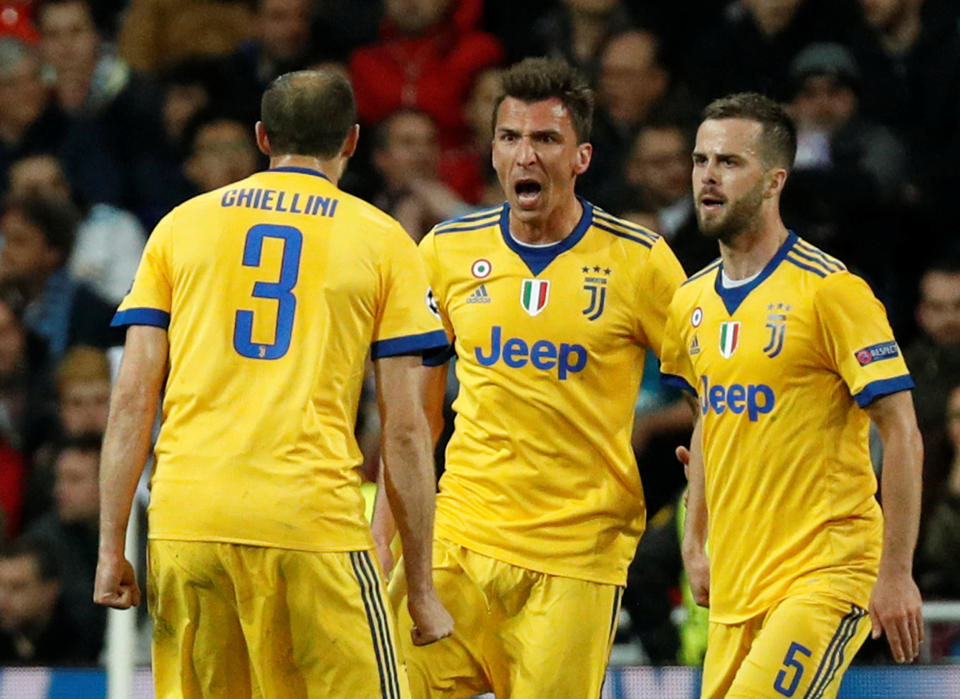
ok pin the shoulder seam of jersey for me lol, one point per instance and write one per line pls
(706, 270)
(627, 226)
(831, 263)
(805, 259)
(473, 221)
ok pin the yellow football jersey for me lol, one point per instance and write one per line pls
(550, 344)
(782, 367)
(272, 290)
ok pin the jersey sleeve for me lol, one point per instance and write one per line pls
(659, 280)
(407, 322)
(858, 340)
(150, 298)
(431, 260)
(676, 369)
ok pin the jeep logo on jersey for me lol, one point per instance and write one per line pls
(729, 338)
(534, 294)
(754, 399)
(542, 354)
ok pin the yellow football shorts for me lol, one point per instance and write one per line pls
(799, 648)
(245, 621)
(518, 633)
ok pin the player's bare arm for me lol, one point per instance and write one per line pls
(693, 546)
(895, 605)
(410, 486)
(126, 447)
(384, 526)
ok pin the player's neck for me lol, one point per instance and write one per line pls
(552, 228)
(331, 169)
(751, 250)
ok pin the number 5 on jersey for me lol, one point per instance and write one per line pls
(281, 290)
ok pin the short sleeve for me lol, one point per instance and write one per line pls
(658, 282)
(150, 298)
(676, 369)
(431, 261)
(858, 340)
(407, 319)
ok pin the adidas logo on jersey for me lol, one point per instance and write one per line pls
(479, 295)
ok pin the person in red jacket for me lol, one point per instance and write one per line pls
(428, 55)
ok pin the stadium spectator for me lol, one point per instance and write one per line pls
(70, 531)
(283, 42)
(911, 77)
(541, 505)
(848, 180)
(268, 498)
(658, 174)
(38, 237)
(937, 556)
(750, 48)
(823, 357)
(577, 31)
(115, 151)
(30, 121)
(220, 150)
(36, 628)
(109, 241)
(427, 57)
(406, 156)
(158, 34)
(634, 88)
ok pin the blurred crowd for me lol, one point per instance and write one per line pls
(114, 111)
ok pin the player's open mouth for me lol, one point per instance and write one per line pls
(711, 203)
(528, 192)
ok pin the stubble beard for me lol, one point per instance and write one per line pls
(742, 215)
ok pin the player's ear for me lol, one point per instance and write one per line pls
(776, 180)
(584, 155)
(263, 141)
(350, 142)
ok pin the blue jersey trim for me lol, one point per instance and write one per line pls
(408, 344)
(439, 356)
(601, 215)
(491, 221)
(732, 298)
(622, 234)
(712, 267)
(815, 270)
(883, 387)
(538, 258)
(674, 381)
(473, 216)
(813, 260)
(301, 170)
(829, 261)
(141, 316)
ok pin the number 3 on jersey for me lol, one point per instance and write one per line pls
(281, 290)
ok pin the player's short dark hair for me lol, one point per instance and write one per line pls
(779, 136)
(56, 218)
(308, 112)
(537, 79)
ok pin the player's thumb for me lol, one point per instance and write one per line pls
(683, 455)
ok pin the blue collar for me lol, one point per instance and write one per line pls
(301, 170)
(537, 258)
(732, 298)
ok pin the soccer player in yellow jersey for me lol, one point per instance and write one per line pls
(551, 303)
(253, 310)
(790, 357)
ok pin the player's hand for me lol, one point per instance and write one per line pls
(697, 567)
(896, 610)
(116, 583)
(431, 620)
(683, 456)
